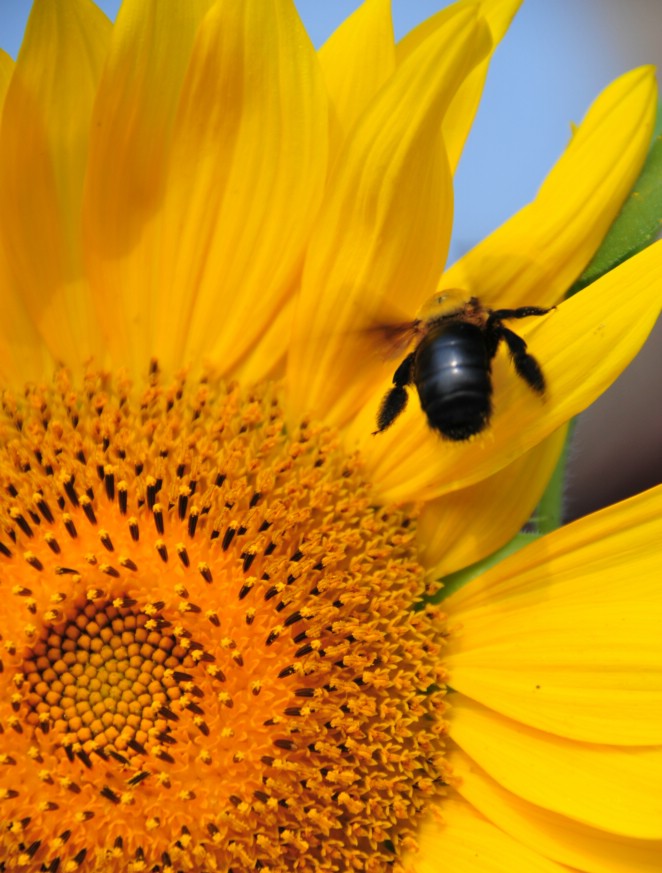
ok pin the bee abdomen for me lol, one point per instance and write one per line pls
(452, 375)
(460, 416)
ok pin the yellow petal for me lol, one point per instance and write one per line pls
(23, 357)
(564, 776)
(463, 527)
(535, 256)
(459, 118)
(564, 635)
(582, 347)
(357, 59)
(460, 840)
(43, 154)
(554, 836)
(130, 143)
(270, 363)
(247, 167)
(20, 357)
(384, 231)
(6, 70)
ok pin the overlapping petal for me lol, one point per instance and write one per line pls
(535, 256)
(131, 134)
(458, 120)
(555, 836)
(364, 257)
(244, 135)
(246, 173)
(562, 775)
(564, 637)
(356, 60)
(498, 507)
(582, 347)
(43, 153)
(21, 352)
(360, 56)
(465, 842)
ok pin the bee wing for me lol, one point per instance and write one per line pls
(393, 336)
(392, 340)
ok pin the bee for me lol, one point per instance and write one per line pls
(451, 367)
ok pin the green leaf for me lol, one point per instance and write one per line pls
(638, 223)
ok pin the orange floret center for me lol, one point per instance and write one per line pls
(210, 659)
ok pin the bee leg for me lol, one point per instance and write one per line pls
(498, 315)
(526, 365)
(396, 398)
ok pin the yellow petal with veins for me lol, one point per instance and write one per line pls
(43, 154)
(129, 148)
(554, 836)
(468, 843)
(535, 256)
(564, 635)
(498, 507)
(459, 118)
(21, 352)
(363, 256)
(357, 59)
(251, 129)
(570, 778)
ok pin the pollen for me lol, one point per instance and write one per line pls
(214, 648)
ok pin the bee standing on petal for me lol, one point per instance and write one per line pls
(451, 367)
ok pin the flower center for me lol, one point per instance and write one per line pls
(105, 680)
(211, 660)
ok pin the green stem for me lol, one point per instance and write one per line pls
(549, 515)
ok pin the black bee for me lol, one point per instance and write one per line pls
(452, 366)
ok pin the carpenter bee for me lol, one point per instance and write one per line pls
(451, 367)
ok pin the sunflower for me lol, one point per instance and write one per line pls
(223, 642)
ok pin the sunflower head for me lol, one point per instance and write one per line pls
(208, 635)
(218, 644)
